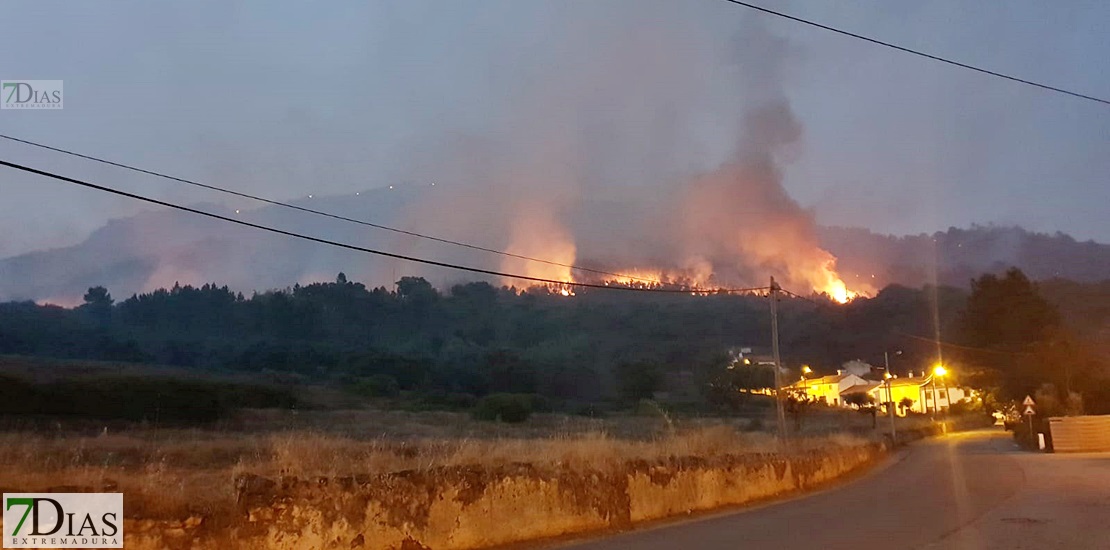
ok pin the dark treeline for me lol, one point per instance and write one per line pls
(473, 340)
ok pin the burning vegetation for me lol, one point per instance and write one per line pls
(731, 226)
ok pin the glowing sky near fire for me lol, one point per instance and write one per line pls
(693, 140)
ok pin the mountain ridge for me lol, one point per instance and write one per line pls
(159, 248)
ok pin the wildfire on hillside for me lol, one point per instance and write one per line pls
(822, 281)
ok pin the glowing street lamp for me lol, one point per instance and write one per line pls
(805, 370)
(938, 372)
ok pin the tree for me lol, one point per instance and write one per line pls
(859, 399)
(1007, 313)
(1008, 316)
(416, 291)
(98, 304)
(906, 404)
(864, 402)
(98, 296)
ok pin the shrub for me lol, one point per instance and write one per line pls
(439, 400)
(504, 407)
(378, 385)
(589, 409)
(638, 380)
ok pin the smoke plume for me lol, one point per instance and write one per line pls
(595, 164)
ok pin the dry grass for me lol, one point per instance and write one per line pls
(176, 473)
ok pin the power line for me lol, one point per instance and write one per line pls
(917, 52)
(318, 212)
(958, 346)
(359, 248)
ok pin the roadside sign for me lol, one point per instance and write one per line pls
(1028, 410)
(1028, 402)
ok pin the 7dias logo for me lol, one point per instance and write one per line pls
(30, 94)
(63, 520)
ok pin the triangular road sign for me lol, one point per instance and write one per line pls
(1028, 410)
(1028, 401)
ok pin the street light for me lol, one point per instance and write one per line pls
(942, 372)
(805, 390)
(938, 372)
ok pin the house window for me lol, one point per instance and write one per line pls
(944, 394)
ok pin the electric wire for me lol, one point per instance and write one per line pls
(917, 52)
(317, 212)
(74, 181)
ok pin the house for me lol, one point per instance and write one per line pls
(745, 355)
(924, 395)
(827, 389)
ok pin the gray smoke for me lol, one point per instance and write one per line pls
(640, 141)
(595, 162)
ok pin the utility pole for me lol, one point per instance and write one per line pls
(890, 397)
(775, 354)
(936, 404)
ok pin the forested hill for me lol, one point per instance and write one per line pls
(471, 339)
(962, 254)
(598, 345)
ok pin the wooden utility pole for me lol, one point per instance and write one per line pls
(775, 355)
(890, 396)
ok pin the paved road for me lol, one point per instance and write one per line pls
(971, 490)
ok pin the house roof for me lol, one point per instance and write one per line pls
(809, 382)
(860, 388)
(914, 381)
(830, 379)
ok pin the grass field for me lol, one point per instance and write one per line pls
(175, 473)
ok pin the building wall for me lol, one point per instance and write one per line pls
(922, 396)
(900, 392)
(829, 392)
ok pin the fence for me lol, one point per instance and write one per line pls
(1076, 434)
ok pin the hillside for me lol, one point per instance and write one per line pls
(157, 249)
(962, 254)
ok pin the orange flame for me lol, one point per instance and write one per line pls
(540, 235)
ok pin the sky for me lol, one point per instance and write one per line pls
(287, 99)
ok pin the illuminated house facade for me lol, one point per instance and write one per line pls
(925, 396)
(827, 389)
(831, 390)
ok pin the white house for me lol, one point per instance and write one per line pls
(827, 389)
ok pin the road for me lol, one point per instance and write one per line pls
(971, 490)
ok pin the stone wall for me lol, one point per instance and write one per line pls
(462, 508)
